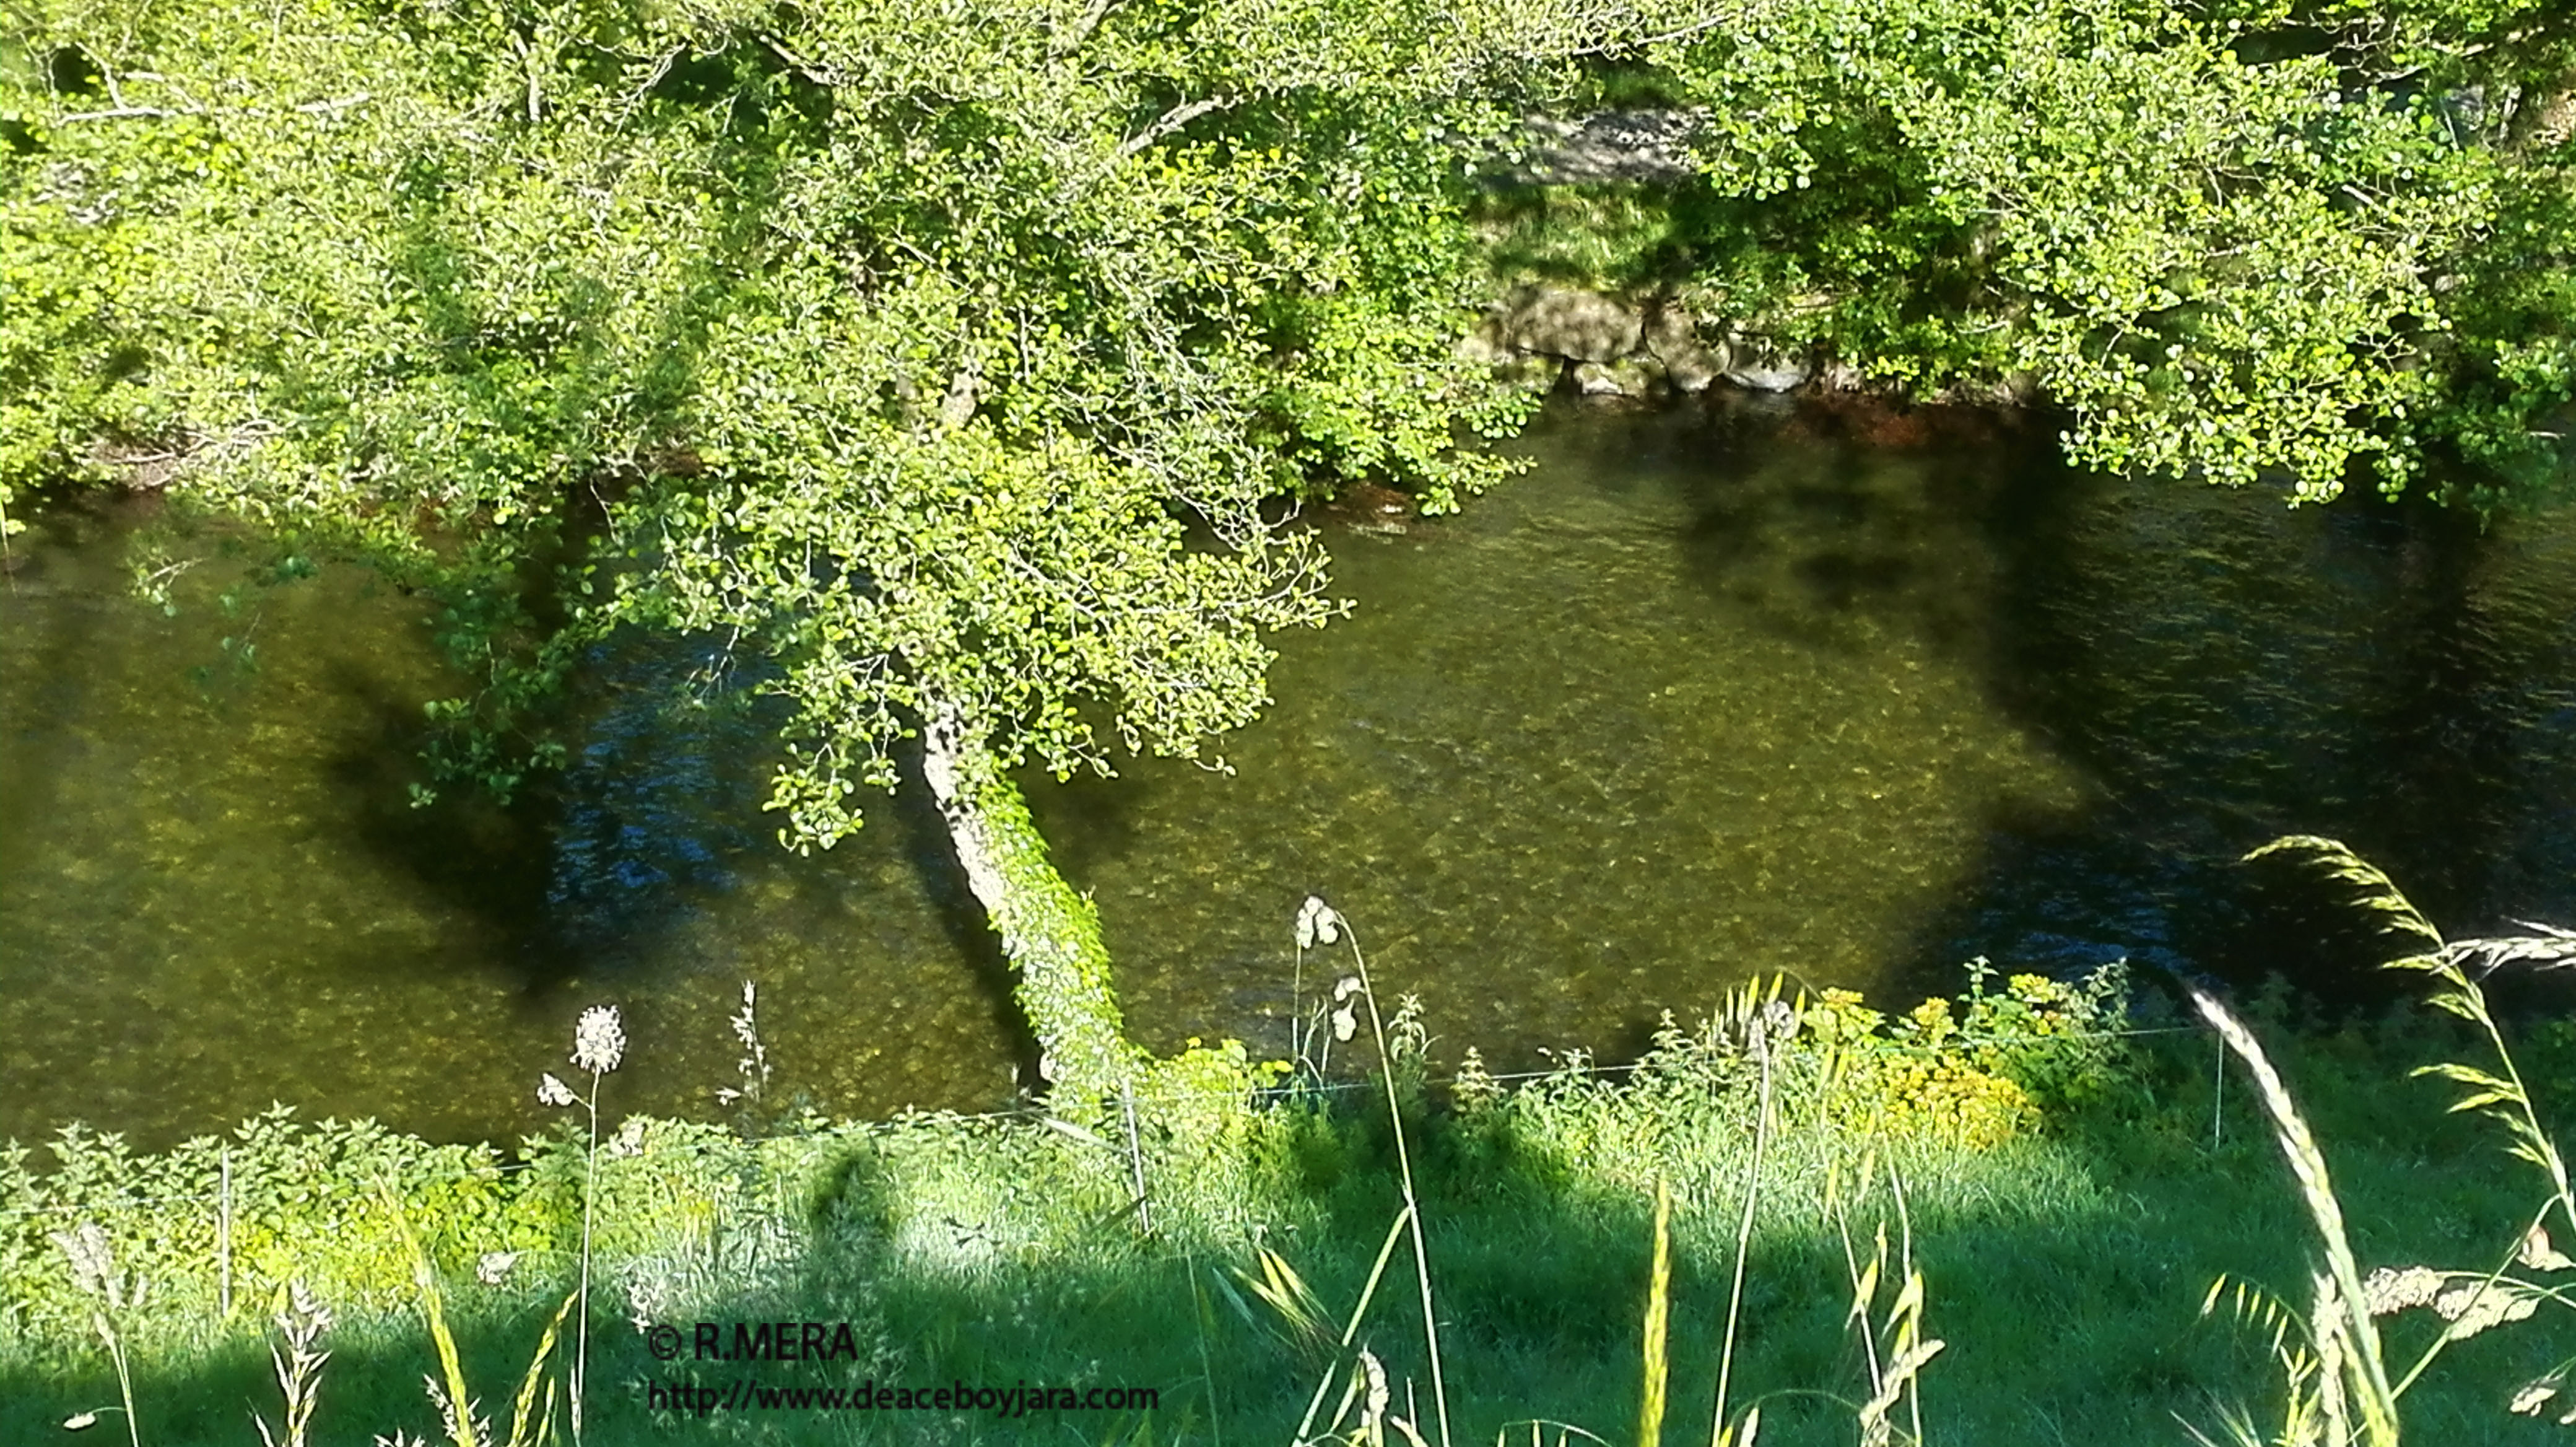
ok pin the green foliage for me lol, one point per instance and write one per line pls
(2058, 1268)
(2233, 241)
(1970, 1074)
(888, 349)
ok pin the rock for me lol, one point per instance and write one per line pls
(1593, 379)
(1532, 374)
(1581, 325)
(1614, 379)
(1758, 365)
(1485, 345)
(1672, 338)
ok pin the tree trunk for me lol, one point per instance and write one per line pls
(2544, 116)
(1050, 933)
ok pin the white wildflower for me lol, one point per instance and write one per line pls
(598, 1042)
(494, 1267)
(551, 1091)
(1316, 921)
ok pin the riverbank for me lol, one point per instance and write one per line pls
(2067, 1196)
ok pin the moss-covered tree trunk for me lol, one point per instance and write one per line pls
(1050, 933)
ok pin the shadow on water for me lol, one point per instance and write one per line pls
(654, 820)
(2228, 671)
(486, 864)
(1842, 518)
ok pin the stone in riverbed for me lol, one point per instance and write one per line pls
(1615, 379)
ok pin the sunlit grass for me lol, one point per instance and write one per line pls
(1707, 1246)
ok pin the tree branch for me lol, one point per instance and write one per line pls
(121, 113)
(1172, 120)
(1073, 39)
(800, 65)
(1607, 46)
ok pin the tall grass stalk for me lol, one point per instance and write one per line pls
(2351, 1374)
(1412, 1203)
(598, 1046)
(301, 1319)
(531, 1421)
(456, 1405)
(1318, 922)
(1203, 1316)
(1765, 1031)
(111, 1293)
(2469, 1302)
(1278, 1272)
(1659, 1293)
(1895, 1363)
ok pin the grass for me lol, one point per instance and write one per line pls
(1605, 233)
(2337, 1388)
(1816, 1240)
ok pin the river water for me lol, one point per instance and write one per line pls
(1702, 694)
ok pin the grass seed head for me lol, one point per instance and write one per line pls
(2391, 1289)
(93, 1266)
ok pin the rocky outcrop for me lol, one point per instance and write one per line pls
(1672, 339)
(1580, 326)
(1606, 345)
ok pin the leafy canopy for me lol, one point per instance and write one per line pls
(932, 352)
(2232, 237)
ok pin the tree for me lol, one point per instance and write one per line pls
(933, 364)
(2328, 240)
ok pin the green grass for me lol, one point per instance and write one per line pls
(1605, 234)
(2064, 1269)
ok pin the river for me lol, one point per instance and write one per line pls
(1704, 693)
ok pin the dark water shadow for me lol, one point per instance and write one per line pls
(2225, 676)
(1090, 822)
(484, 863)
(1797, 519)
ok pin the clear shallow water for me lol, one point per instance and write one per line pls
(214, 894)
(1692, 699)
(1674, 708)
